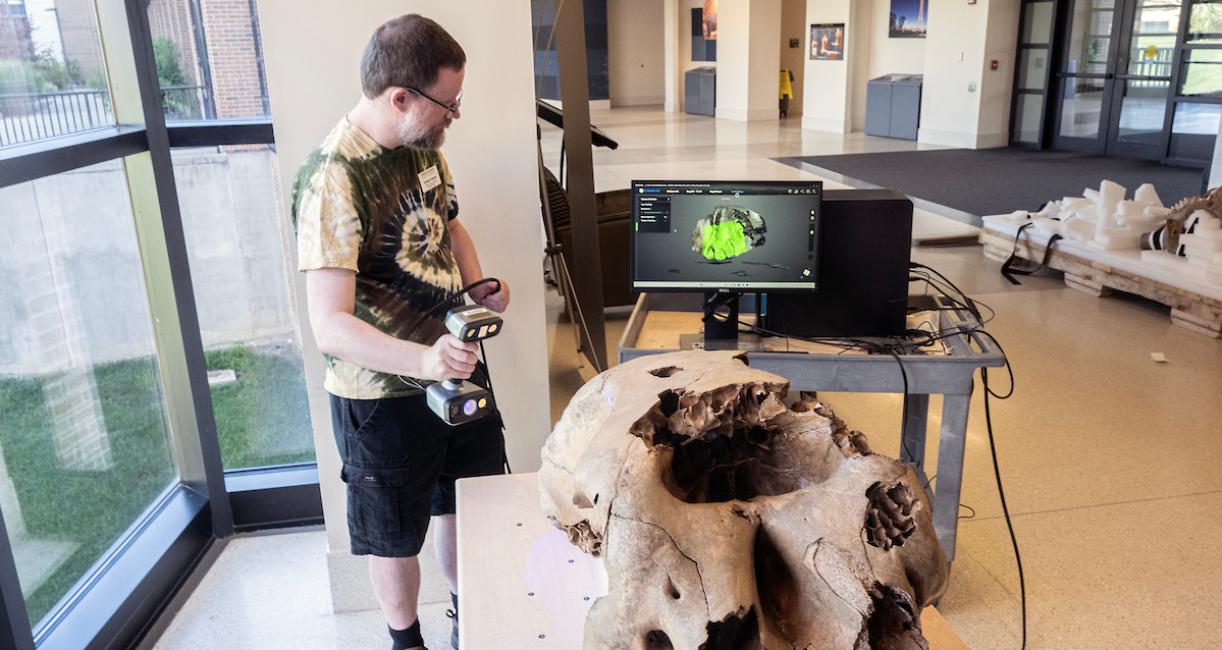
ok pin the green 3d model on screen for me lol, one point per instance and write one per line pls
(729, 232)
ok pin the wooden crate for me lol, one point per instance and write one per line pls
(1189, 309)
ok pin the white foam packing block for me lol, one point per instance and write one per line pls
(1194, 247)
(1130, 261)
(1143, 224)
(1207, 259)
(1079, 229)
(1146, 194)
(1048, 227)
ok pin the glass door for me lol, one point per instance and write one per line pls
(1033, 74)
(1117, 76)
(1086, 75)
(1142, 85)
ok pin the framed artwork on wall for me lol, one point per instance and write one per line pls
(827, 42)
(704, 32)
(908, 18)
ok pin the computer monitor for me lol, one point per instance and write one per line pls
(725, 236)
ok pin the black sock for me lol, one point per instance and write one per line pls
(409, 638)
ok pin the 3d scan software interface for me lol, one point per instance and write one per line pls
(696, 235)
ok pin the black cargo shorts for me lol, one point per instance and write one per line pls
(400, 462)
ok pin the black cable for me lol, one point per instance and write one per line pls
(971, 516)
(451, 297)
(491, 393)
(1009, 368)
(966, 299)
(1018, 558)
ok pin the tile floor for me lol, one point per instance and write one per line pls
(1111, 461)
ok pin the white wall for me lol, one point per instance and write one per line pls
(963, 103)
(312, 54)
(748, 55)
(793, 25)
(827, 96)
(635, 47)
(677, 49)
(997, 86)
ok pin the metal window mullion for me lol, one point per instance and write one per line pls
(136, 97)
(15, 630)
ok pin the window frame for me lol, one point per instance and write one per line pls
(116, 603)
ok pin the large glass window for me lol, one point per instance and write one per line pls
(241, 276)
(52, 76)
(209, 58)
(1202, 72)
(84, 444)
(1194, 130)
(99, 469)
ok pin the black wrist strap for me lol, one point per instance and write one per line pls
(1010, 268)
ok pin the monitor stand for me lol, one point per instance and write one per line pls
(720, 320)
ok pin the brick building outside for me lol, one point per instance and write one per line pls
(15, 40)
(219, 51)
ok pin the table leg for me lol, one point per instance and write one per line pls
(950, 470)
(912, 440)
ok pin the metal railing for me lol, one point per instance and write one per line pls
(26, 117)
(186, 103)
(29, 117)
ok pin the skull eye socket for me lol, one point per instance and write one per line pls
(657, 640)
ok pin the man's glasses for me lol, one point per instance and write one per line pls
(452, 108)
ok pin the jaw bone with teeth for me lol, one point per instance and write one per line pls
(728, 520)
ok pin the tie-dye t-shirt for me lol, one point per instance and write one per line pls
(360, 206)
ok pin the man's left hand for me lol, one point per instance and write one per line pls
(497, 301)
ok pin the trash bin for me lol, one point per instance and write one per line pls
(893, 106)
(700, 91)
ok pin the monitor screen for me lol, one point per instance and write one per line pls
(725, 235)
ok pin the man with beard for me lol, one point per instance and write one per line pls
(382, 247)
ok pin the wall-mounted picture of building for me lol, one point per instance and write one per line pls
(908, 18)
(827, 42)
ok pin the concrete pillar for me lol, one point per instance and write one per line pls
(1215, 168)
(673, 102)
(828, 85)
(964, 102)
(748, 59)
(492, 152)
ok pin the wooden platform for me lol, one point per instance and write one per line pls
(1099, 273)
(523, 585)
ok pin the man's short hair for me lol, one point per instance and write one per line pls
(408, 51)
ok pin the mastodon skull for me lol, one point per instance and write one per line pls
(730, 520)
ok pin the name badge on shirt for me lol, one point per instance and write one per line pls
(429, 179)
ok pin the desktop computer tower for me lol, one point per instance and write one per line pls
(862, 284)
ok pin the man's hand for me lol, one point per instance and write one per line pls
(497, 302)
(448, 358)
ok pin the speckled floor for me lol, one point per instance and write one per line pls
(1110, 460)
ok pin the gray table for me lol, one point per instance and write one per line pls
(951, 375)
